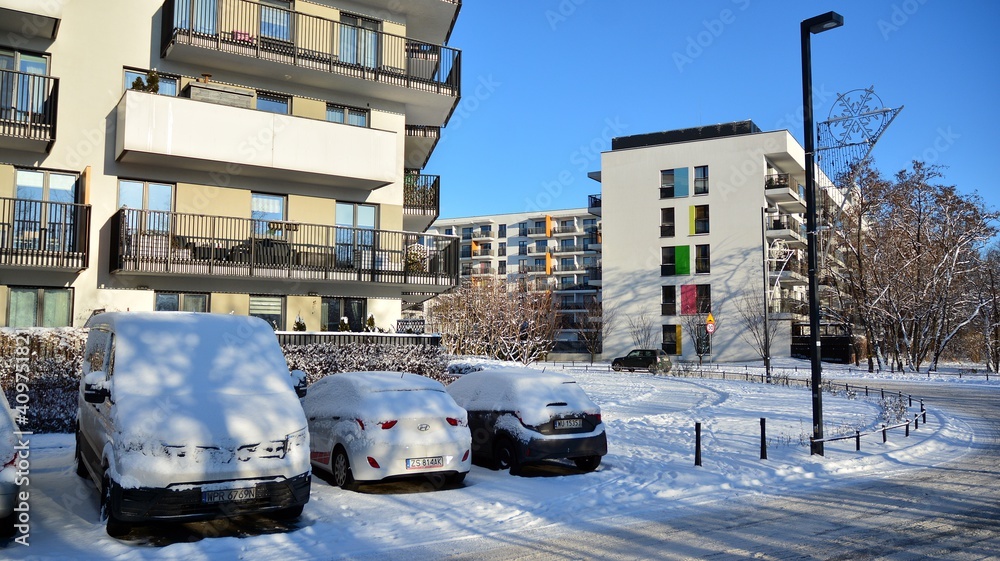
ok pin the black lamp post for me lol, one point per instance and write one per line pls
(810, 26)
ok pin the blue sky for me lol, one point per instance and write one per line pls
(548, 83)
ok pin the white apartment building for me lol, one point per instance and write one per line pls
(692, 218)
(557, 250)
(254, 157)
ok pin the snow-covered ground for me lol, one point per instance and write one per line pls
(650, 467)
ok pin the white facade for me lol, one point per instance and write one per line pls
(276, 171)
(686, 216)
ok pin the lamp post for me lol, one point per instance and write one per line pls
(764, 213)
(818, 24)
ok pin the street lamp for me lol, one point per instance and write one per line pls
(766, 212)
(818, 24)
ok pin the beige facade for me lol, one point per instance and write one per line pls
(268, 172)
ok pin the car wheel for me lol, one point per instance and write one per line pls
(341, 469)
(616, 367)
(289, 513)
(81, 468)
(506, 456)
(587, 463)
(115, 528)
(652, 368)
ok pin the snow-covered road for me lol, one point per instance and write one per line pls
(649, 469)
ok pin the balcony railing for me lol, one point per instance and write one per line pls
(482, 234)
(421, 194)
(567, 248)
(44, 234)
(28, 106)
(257, 30)
(153, 242)
(594, 273)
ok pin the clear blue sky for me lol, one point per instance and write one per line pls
(548, 83)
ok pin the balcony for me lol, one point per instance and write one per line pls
(542, 232)
(568, 249)
(485, 253)
(482, 271)
(595, 276)
(787, 229)
(594, 204)
(792, 272)
(421, 201)
(782, 190)
(535, 250)
(481, 234)
(419, 145)
(788, 308)
(27, 110)
(44, 235)
(426, 20)
(268, 41)
(537, 269)
(170, 243)
(177, 132)
(566, 230)
(30, 18)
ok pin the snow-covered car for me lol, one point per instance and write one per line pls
(520, 416)
(372, 426)
(187, 416)
(8, 470)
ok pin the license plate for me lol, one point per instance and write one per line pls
(424, 463)
(569, 423)
(229, 495)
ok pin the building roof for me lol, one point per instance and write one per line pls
(685, 135)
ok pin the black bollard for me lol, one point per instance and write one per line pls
(697, 444)
(763, 439)
(885, 437)
(857, 441)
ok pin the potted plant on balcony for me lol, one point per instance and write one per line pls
(151, 84)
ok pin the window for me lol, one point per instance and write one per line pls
(566, 244)
(96, 349)
(672, 339)
(702, 263)
(38, 223)
(566, 225)
(359, 40)
(565, 282)
(567, 264)
(522, 247)
(701, 180)
(666, 222)
(449, 231)
(272, 103)
(696, 299)
(267, 212)
(502, 268)
(157, 198)
(467, 233)
(502, 249)
(567, 302)
(356, 224)
(502, 231)
(25, 95)
(270, 309)
(167, 84)
(668, 301)
(675, 260)
(181, 302)
(541, 246)
(539, 226)
(465, 252)
(673, 183)
(276, 20)
(522, 229)
(589, 222)
(202, 19)
(333, 309)
(39, 307)
(347, 115)
(699, 219)
(667, 184)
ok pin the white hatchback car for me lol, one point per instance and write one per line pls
(372, 426)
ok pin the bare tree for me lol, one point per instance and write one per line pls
(598, 320)
(756, 330)
(640, 328)
(694, 326)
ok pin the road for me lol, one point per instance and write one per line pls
(951, 511)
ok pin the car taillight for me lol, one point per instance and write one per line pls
(465, 456)
(455, 422)
(597, 417)
(387, 424)
(360, 423)
(373, 463)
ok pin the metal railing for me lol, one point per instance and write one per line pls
(265, 32)
(344, 338)
(28, 105)
(44, 234)
(421, 194)
(145, 241)
(567, 248)
(776, 181)
(593, 201)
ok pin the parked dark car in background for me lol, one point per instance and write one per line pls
(654, 360)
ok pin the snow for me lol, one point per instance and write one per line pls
(379, 396)
(649, 467)
(531, 393)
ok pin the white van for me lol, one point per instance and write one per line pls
(187, 416)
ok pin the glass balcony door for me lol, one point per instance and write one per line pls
(359, 41)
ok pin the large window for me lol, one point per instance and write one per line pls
(167, 84)
(541, 246)
(701, 180)
(502, 231)
(39, 307)
(148, 195)
(675, 260)
(199, 16)
(699, 219)
(502, 268)
(567, 264)
(346, 115)
(270, 309)
(696, 299)
(673, 183)
(276, 20)
(267, 212)
(38, 225)
(672, 339)
(181, 302)
(358, 40)
(666, 222)
(702, 261)
(273, 103)
(355, 233)
(352, 309)
(522, 247)
(668, 302)
(22, 94)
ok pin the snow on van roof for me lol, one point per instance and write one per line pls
(530, 392)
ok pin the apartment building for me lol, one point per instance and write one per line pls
(259, 157)
(695, 222)
(557, 251)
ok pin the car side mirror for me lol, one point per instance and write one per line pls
(300, 382)
(95, 387)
